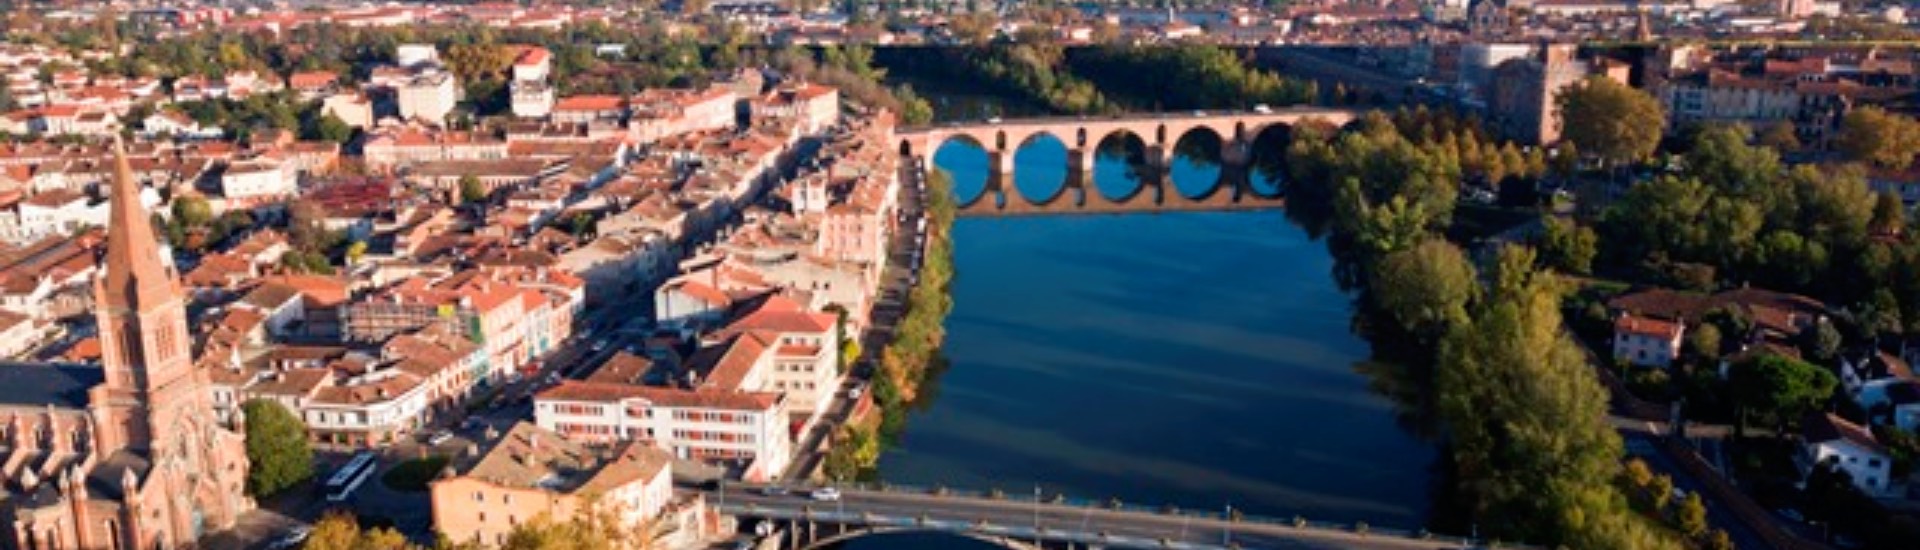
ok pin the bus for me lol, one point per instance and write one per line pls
(349, 477)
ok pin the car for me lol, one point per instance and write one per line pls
(856, 390)
(774, 490)
(1262, 109)
(599, 345)
(1199, 113)
(292, 538)
(993, 120)
(1679, 494)
(825, 494)
(439, 438)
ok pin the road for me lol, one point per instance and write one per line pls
(1017, 518)
(903, 262)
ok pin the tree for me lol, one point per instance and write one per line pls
(1692, 516)
(1821, 342)
(1705, 342)
(1610, 120)
(329, 128)
(1778, 389)
(693, 7)
(356, 251)
(470, 189)
(339, 531)
(1889, 215)
(1719, 540)
(192, 210)
(1527, 420)
(1781, 137)
(1568, 246)
(1872, 135)
(276, 447)
(1426, 288)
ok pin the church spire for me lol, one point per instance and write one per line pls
(136, 278)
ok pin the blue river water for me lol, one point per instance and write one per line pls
(1196, 359)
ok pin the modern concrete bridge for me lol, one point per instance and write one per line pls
(1024, 522)
(1082, 136)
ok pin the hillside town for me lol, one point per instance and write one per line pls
(409, 288)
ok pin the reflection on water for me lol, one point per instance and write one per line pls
(1199, 360)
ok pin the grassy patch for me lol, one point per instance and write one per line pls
(412, 476)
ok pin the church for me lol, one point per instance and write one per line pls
(127, 455)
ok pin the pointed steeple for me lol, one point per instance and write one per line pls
(136, 278)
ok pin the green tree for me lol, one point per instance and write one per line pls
(1426, 288)
(1610, 120)
(276, 447)
(1821, 342)
(1568, 246)
(1778, 389)
(192, 210)
(470, 189)
(1527, 421)
(356, 251)
(329, 128)
(1872, 135)
(1705, 342)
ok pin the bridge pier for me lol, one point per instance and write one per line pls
(1002, 163)
(1081, 180)
(1235, 152)
(1081, 159)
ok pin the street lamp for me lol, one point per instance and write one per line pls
(1036, 515)
(1226, 535)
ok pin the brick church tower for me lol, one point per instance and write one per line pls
(128, 455)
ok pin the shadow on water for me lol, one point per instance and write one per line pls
(1120, 165)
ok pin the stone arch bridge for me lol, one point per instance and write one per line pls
(1082, 136)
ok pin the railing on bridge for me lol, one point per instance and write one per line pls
(825, 511)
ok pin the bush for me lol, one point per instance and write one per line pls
(1651, 384)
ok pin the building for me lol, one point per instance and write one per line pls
(1521, 103)
(428, 97)
(531, 472)
(692, 424)
(257, 182)
(1645, 341)
(128, 455)
(1827, 439)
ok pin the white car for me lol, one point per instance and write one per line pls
(1262, 109)
(440, 438)
(825, 494)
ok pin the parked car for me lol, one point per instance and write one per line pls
(1262, 109)
(774, 490)
(826, 494)
(439, 438)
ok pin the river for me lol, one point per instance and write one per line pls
(1200, 360)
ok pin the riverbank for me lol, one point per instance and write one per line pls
(906, 363)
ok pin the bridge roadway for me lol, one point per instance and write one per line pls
(1012, 521)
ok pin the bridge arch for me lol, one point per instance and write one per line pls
(1136, 168)
(1042, 161)
(1195, 161)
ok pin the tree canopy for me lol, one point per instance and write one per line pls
(1872, 135)
(276, 446)
(1611, 121)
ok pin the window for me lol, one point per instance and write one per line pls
(479, 496)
